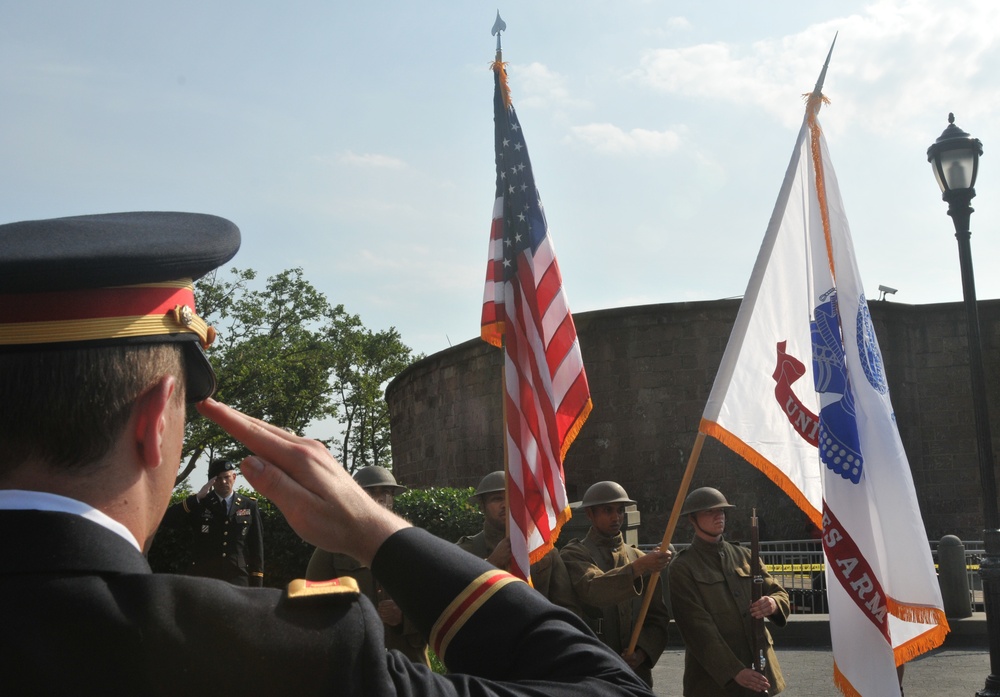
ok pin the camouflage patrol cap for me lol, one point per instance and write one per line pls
(375, 476)
(705, 499)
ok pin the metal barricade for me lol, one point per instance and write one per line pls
(798, 565)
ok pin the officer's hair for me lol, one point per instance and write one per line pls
(66, 408)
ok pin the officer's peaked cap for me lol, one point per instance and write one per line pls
(111, 279)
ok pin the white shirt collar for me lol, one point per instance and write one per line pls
(22, 500)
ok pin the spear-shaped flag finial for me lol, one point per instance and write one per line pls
(815, 99)
(498, 26)
(822, 74)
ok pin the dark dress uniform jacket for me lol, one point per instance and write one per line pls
(548, 575)
(406, 637)
(710, 592)
(228, 545)
(83, 615)
(598, 569)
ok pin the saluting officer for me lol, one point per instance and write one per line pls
(227, 533)
(548, 575)
(100, 347)
(610, 579)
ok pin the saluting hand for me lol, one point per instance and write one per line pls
(321, 502)
(203, 492)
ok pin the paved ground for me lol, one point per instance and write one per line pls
(809, 672)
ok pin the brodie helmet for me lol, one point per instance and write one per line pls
(605, 492)
(491, 483)
(373, 476)
(705, 499)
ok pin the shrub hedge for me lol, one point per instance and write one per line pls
(443, 511)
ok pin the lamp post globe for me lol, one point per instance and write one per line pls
(954, 157)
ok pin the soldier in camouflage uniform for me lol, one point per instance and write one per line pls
(548, 574)
(610, 579)
(227, 535)
(400, 634)
(710, 592)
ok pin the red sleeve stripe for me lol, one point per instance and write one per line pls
(464, 606)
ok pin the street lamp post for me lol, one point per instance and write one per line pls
(955, 159)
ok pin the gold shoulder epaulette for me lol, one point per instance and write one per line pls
(301, 588)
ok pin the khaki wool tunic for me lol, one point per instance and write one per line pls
(710, 592)
(548, 574)
(599, 571)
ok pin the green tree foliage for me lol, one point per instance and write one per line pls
(366, 361)
(442, 511)
(284, 354)
(272, 356)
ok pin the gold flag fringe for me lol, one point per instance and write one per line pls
(493, 333)
(500, 68)
(931, 639)
(574, 430)
(563, 518)
(815, 101)
(843, 684)
(711, 428)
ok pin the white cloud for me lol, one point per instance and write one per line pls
(880, 74)
(371, 161)
(610, 139)
(542, 87)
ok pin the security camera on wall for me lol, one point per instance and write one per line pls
(886, 290)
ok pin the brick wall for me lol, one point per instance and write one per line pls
(651, 369)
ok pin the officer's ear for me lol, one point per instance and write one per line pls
(150, 413)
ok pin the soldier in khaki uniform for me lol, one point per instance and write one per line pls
(710, 591)
(548, 574)
(610, 578)
(400, 633)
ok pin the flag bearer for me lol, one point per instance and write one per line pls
(548, 574)
(710, 588)
(610, 579)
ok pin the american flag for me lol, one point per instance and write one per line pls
(546, 396)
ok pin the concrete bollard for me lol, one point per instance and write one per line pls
(953, 578)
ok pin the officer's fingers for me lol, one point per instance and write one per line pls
(282, 490)
(227, 417)
(308, 461)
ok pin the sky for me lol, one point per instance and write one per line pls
(355, 140)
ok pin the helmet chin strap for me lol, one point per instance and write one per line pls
(705, 532)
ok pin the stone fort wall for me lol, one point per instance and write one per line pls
(651, 369)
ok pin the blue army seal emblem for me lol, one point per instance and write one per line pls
(868, 351)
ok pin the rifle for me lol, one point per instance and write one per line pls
(758, 639)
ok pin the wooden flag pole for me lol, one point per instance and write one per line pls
(503, 438)
(675, 515)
